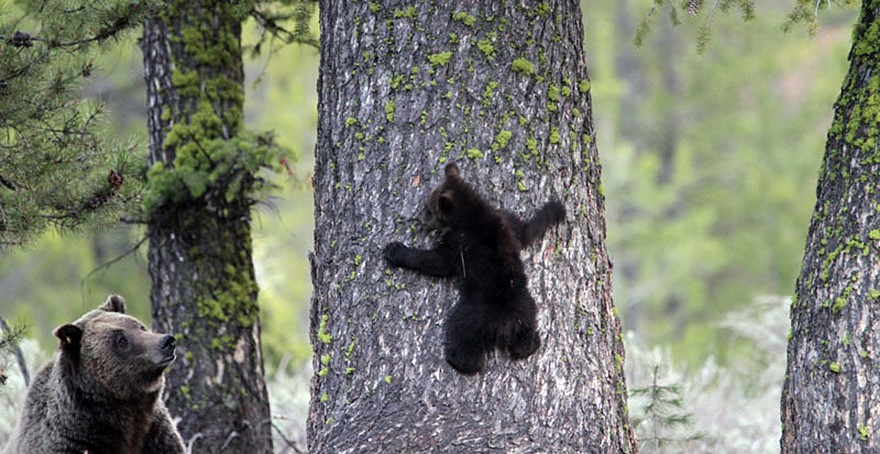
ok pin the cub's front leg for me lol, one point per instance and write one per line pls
(433, 262)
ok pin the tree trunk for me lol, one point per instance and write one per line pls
(631, 72)
(203, 286)
(832, 389)
(501, 88)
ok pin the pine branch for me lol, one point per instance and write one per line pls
(9, 341)
(271, 24)
(121, 20)
(8, 184)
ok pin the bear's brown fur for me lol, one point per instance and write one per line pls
(101, 392)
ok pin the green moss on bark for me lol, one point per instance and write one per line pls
(212, 154)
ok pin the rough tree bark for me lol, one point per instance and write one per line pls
(203, 286)
(502, 89)
(832, 389)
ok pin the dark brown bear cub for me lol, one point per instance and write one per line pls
(101, 392)
(480, 246)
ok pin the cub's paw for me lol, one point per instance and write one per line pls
(465, 362)
(525, 346)
(554, 211)
(394, 252)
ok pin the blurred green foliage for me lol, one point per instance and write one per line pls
(710, 162)
(50, 284)
(284, 100)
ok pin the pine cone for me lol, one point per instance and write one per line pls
(115, 179)
(21, 39)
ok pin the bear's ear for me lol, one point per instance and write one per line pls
(70, 336)
(114, 303)
(446, 202)
(452, 171)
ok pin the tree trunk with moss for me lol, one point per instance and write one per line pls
(199, 201)
(501, 88)
(832, 389)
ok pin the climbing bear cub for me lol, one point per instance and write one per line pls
(480, 246)
(101, 392)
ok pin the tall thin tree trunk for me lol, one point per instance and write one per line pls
(631, 72)
(667, 135)
(502, 89)
(831, 395)
(203, 286)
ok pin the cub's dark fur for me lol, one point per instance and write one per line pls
(480, 246)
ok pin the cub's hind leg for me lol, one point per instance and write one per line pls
(466, 341)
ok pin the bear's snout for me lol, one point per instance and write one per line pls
(167, 344)
(163, 349)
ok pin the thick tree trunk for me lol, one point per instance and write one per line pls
(502, 89)
(203, 286)
(832, 388)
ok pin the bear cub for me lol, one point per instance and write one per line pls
(480, 246)
(101, 393)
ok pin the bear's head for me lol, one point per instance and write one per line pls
(441, 211)
(113, 354)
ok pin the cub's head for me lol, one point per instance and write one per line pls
(440, 211)
(114, 353)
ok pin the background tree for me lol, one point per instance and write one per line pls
(832, 389)
(201, 185)
(502, 89)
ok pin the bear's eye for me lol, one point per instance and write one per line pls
(122, 342)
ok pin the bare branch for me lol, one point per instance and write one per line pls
(110, 263)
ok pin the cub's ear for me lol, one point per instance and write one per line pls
(452, 171)
(70, 336)
(446, 202)
(114, 303)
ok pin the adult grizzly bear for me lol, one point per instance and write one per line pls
(101, 392)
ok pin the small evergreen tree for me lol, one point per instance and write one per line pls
(662, 420)
(57, 167)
